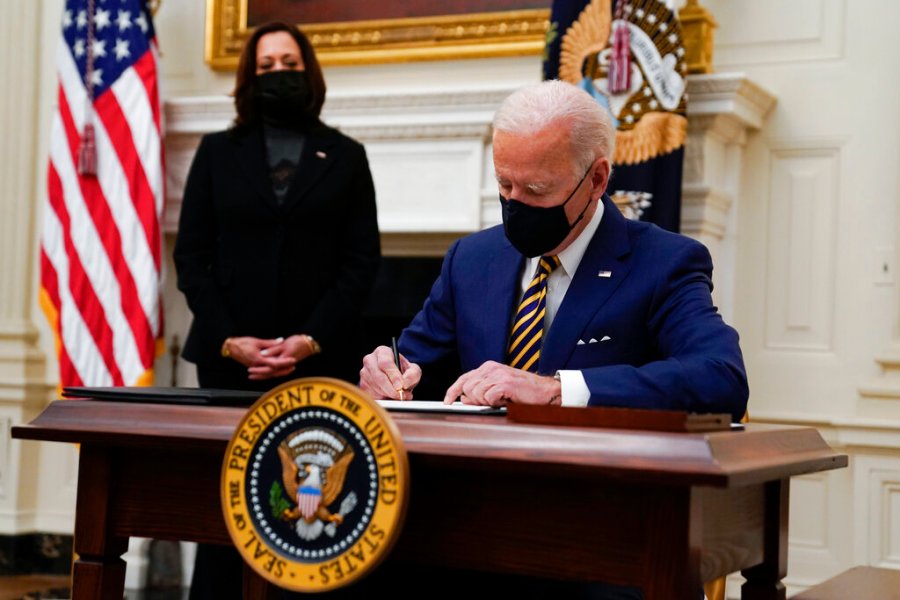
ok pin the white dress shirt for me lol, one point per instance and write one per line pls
(575, 391)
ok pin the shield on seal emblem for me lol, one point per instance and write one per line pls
(308, 501)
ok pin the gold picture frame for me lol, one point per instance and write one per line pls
(477, 35)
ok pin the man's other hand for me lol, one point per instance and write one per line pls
(496, 384)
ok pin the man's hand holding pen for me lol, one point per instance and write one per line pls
(387, 377)
(396, 354)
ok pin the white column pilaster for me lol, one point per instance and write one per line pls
(722, 108)
(23, 389)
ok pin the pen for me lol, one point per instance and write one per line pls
(396, 360)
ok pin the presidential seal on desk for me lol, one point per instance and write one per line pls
(314, 485)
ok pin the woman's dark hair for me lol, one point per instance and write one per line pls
(245, 84)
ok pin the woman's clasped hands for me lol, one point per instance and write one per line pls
(268, 358)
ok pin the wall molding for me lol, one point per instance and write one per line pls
(808, 30)
(731, 95)
(850, 432)
(801, 275)
(20, 522)
(885, 386)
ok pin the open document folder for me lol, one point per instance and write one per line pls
(437, 406)
(165, 395)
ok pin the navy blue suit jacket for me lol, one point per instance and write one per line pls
(667, 346)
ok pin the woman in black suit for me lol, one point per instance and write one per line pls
(278, 243)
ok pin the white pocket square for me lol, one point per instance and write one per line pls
(605, 338)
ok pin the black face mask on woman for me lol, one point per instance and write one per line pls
(282, 97)
(535, 230)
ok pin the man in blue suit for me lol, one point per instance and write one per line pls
(568, 302)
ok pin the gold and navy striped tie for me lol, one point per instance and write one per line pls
(528, 328)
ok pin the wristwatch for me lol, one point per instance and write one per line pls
(557, 400)
(314, 346)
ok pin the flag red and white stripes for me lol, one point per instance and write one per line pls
(101, 239)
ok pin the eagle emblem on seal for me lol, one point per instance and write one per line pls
(314, 464)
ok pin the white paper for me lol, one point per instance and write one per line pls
(436, 406)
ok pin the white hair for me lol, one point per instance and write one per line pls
(533, 108)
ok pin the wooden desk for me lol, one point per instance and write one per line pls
(664, 511)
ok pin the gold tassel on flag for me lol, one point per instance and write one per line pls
(619, 75)
(87, 149)
(87, 152)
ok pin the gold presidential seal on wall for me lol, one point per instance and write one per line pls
(314, 485)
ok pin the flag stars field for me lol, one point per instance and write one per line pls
(101, 19)
(99, 48)
(123, 20)
(121, 49)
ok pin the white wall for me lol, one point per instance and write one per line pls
(816, 294)
(812, 238)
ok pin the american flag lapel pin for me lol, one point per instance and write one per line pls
(320, 154)
(605, 274)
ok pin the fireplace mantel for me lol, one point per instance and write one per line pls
(431, 158)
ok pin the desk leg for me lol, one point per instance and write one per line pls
(673, 566)
(256, 587)
(764, 580)
(99, 572)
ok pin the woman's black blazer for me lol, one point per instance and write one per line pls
(249, 266)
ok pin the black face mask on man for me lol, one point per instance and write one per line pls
(535, 230)
(283, 96)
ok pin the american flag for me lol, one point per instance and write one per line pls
(101, 241)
